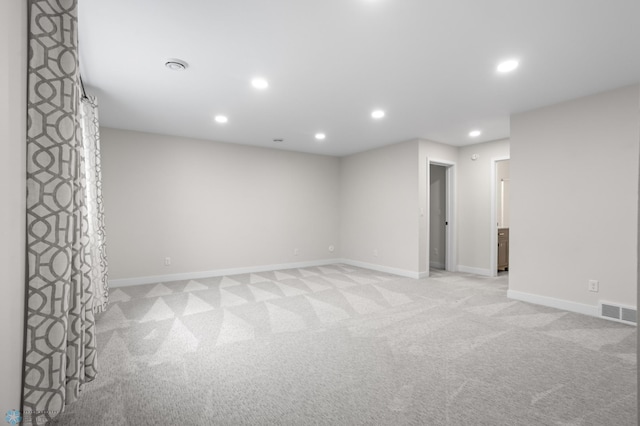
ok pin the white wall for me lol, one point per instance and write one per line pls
(213, 206)
(476, 229)
(380, 208)
(13, 27)
(384, 205)
(574, 200)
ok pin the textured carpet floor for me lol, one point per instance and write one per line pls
(339, 345)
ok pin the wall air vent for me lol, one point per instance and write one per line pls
(610, 311)
(630, 315)
(625, 314)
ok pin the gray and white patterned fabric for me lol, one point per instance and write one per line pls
(60, 349)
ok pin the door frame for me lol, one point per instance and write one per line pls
(493, 249)
(451, 259)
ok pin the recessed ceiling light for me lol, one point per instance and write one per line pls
(377, 114)
(260, 83)
(507, 66)
(320, 136)
(221, 119)
(176, 64)
(475, 133)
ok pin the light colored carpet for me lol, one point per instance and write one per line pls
(340, 345)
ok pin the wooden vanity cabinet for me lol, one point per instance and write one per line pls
(503, 249)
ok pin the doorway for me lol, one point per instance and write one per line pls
(500, 217)
(437, 216)
(441, 209)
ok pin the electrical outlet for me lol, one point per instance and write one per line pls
(296, 251)
(331, 248)
(594, 285)
(375, 252)
(435, 251)
(167, 261)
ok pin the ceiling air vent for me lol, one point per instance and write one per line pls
(176, 64)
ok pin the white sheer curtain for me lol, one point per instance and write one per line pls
(93, 198)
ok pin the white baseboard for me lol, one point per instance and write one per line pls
(476, 271)
(126, 282)
(554, 303)
(387, 269)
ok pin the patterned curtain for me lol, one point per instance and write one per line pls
(66, 281)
